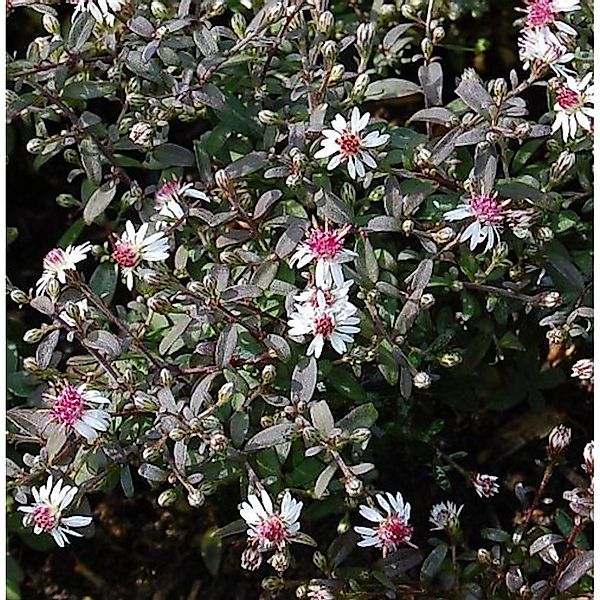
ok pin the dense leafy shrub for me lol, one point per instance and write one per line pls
(307, 272)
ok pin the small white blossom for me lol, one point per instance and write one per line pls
(445, 516)
(327, 318)
(487, 215)
(46, 513)
(318, 592)
(325, 247)
(588, 458)
(346, 143)
(270, 529)
(583, 370)
(133, 247)
(58, 262)
(76, 408)
(82, 307)
(485, 485)
(571, 107)
(393, 528)
(540, 47)
(102, 10)
(169, 198)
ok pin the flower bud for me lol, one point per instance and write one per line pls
(325, 22)
(438, 34)
(166, 378)
(364, 37)
(159, 304)
(377, 194)
(556, 335)
(143, 401)
(320, 560)
(293, 181)
(545, 234)
(559, 439)
(159, 10)
(348, 193)
(141, 133)
(31, 365)
(272, 584)
(360, 87)
(422, 380)
(168, 497)
(155, 278)
(268, 374)
(266, 421)
(360, 435)
(426, 301)
(268, 117)
(33, 336)
(522, 130)
(66, 201)
(51, 24)
(222, 179)
(251, 559)
(353, 486)
(19, 297)
(422, 156)
(280, 561)
(35, 145)
(225, 393)
(311, 435)
(549, 299)
(275, 12)
(588, 457)
(177, 434)
(238, 24)
(450, 359)
(195, 498)
(329, 52)
(426, 47)
(484, 556)
(337, 73)
(219, 442)
(443, 236)
(561, 166)
(408, 226)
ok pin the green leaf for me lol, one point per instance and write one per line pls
(172, 155)
(104, 281)
(71, 235)
(99, 201)
(345, 383)
(211, 548)
(364, 415)
(433, 563)
(86, 90)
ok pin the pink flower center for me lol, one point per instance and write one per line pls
(54, 258)
(45, 518)
(568, 98)
(273, 530)
(394, 531)
(323, 325)
(68, 406)
(487, 209)
(540, 13)
(125, 255)
(324, 243)
(168, 191)
(349, 143)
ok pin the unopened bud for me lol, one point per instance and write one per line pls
(559, 439)
(320, 560)
(225, 394)
(238, 24)
(484, 556)
(438, 34)
(329, 51)
(522, 130)
(348, 193)
(166, 378)
(272, 584)
(377, 194)
(177, 434)
(556, 335)
(159, 10)
(268, 374)
(275, 12)
(408, 226)
(499, 88)
(337, 73)
(268, 117)
(422, 380)
(222, 179)
(549, 299)
(545, 234)
(443, 236)
(31, 365)
(195, 498)
(51, 24)
(251, 559)
(450, 359)
(168, 497)
(353, 486)
(561, 166)
(35, 145)
(360, 435)
(325, 22)
(426, 301)
(219, 442)
(155, 278)
(66, 201)
(159, 303)
(422, 156)
(293, 181)
(364, 37)
(360, 87)
(280, 561)
(33, 336)
(426, 47)
(19, 297)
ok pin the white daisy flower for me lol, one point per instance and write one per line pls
(269, 529)
(168, 201)
(393, 529)
(46, 513)
(58, 262)
(334, 323)
(133, 247)
(487, 214)
(570, 107)
(76, 408)
(326, 247)
(539, 47)
(445, 516)
(346, 143)
(545, 13)
(102, 10)
(485, 485)
(583, 370)
(588, 458)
